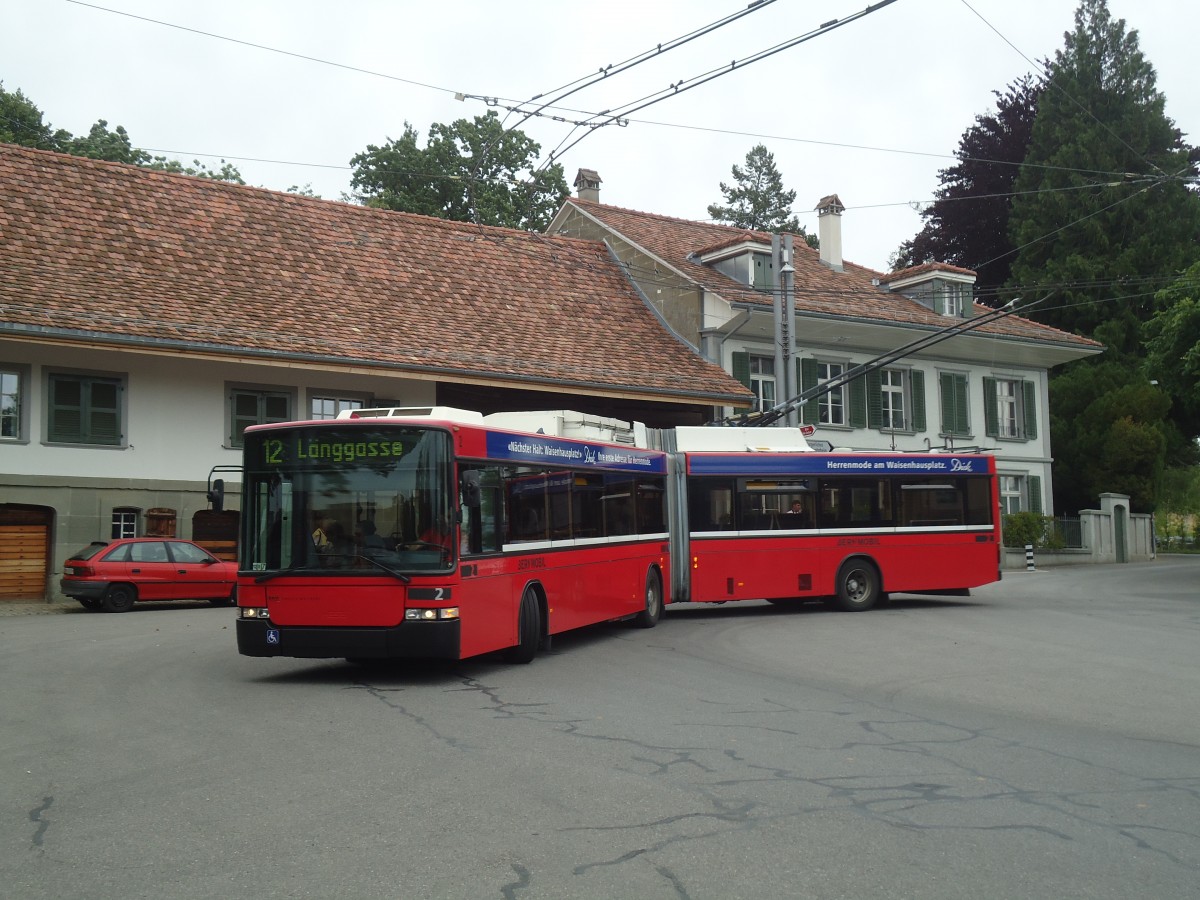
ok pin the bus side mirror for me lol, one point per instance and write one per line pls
(216, 494)
(471, 490)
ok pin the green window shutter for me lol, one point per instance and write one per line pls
(104, 412)
(955, 419)
(857, 413)
(874, 401)
(1035, 494)
(808, 380)
(66, 409)
(917, 389)
(1029, 406)
(991, 426)
(741, 372)
(276, 408)
(245, 413)
(84, 410)
(939, 301)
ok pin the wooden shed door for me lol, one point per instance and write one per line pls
(23, 562)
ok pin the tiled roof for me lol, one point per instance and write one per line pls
(112, 252)
(924, 268)
(850, 294)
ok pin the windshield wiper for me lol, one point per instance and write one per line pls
(290, 570)
(380, 565)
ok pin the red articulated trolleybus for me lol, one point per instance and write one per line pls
(757, 514)
(444, 533)
(441, 533)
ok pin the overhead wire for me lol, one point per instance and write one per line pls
(696, 81)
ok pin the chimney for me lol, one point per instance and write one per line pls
(829, 231)
(587, 185)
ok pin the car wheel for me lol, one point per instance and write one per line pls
(120, 598)
(91, 604)
(231, 600)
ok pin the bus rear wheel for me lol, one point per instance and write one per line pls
(649, 616)
(529, 629)
(858, 587)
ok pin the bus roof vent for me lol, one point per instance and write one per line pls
(569, 424)
(449, 413)
(733, 439)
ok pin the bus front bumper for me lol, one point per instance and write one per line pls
(408, 640)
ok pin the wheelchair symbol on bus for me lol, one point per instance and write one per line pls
(273, 636)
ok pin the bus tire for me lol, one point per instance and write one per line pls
(858, 587)
(649, 616)
(529, 628)
(120, 598)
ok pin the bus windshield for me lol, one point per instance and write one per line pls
(350, 500)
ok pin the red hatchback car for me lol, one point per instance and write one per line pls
(113, 575)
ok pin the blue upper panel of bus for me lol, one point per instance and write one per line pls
(740, 464)
(542, 450)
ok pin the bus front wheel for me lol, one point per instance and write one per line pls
(649, 616)
(529, 628)
(858, 587)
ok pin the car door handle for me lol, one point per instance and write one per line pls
(182, 571)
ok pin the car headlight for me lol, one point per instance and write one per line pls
(253, 612)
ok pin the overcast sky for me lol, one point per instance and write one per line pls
(870, 111)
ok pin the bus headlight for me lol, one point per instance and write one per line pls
(253, 612)
(430, 615)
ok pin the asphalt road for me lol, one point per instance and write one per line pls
(1040, 739)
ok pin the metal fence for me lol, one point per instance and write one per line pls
(1071, 532)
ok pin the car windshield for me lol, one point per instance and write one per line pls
(350, 499)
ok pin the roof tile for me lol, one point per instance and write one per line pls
(121, 252)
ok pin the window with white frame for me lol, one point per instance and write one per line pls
(11, 384)
(328, 406)
(1008, 408)
(954, 299)
(1012, 494)
(124, 522)
(891, 398)
(762, 381)
(831, 406)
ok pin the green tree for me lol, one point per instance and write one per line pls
(21, 123)
(1110, 432)
(757, 200)
(468, 171)
(1083, 228)
(967, 223)
(100, 143)
(227, 172)
(1172, 341)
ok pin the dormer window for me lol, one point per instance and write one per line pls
(746, 262)
(954, 299)
(943, 289)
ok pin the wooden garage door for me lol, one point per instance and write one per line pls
(23, 562)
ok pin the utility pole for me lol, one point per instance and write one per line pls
(784, 307)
